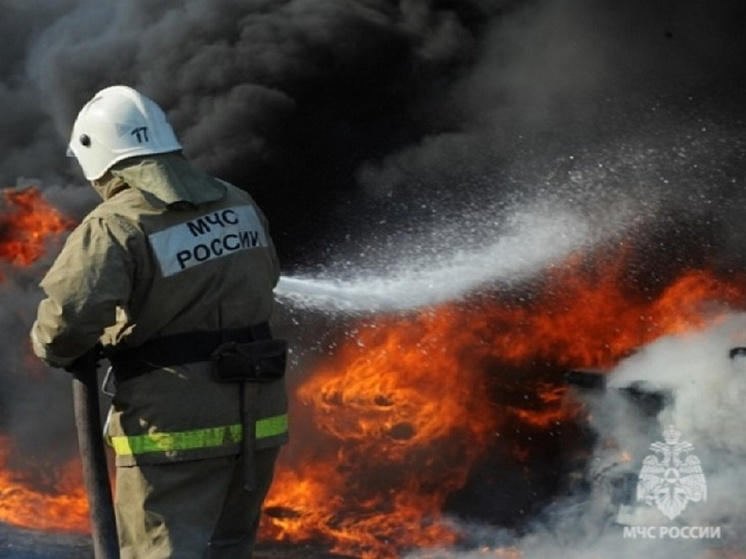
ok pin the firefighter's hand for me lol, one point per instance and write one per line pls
(86, 366)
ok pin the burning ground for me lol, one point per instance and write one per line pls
(462, 410)
(414, 424)
(470, 199)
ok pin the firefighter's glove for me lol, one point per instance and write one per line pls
(85, 367)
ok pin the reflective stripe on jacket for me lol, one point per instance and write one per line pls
(209, 437)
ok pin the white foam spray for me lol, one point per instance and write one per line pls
(529, 240)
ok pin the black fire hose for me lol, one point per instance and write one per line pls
(93, 458)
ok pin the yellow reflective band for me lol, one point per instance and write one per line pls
(197, 438)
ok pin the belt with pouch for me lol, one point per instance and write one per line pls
(243, 356)
(247, 347)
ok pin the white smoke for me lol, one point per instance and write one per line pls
(708, 407)
(706, 391)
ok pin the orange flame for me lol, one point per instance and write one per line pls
(592, 321)
(27, 223)
(56, 500)
(409, 426)
(403, 409)
(387, 428)
(62, 507)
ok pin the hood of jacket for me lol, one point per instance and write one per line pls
(164, 180)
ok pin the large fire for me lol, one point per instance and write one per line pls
(50, 498)
(61, 506)
(407, 404)
(388, 428)
(26, 223)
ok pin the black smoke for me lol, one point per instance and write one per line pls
(355, 121)
(284, 98)
(327, 110)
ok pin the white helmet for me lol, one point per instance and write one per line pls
(118, 123)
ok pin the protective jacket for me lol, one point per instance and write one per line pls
(170, 250)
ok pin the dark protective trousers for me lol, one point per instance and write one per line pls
(193, 509)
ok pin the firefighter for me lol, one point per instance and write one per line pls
(172, 274)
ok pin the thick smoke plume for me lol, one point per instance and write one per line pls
(410, 108)
(377, 134)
